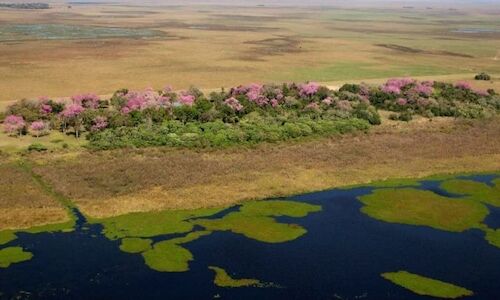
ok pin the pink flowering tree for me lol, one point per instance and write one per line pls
(234, 104)
(308, 89)
(14, 125)
(72, 116)
(99, 123)
(87, 100)
(39, 128)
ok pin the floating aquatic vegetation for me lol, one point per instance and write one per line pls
(152, 223)
(7, 236)
(223, 279)
(135, 245)
(492, 236)
(255, 220)
(426, 286)
(419, 207)
(474, 190)
(168, 256)
(12, 255)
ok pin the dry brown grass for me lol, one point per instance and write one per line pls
(23, 203)
(117, 182)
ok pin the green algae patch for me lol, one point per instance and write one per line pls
(152, 223)
(222, 279)
(474, 190)
(169, 256)
(419, 207)
(426, 286)
(255, 220)
(135, 245)
(12, 255)
(493, 236)
(7, 236)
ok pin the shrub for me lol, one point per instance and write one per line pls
(482, 76)
(37, 147)
(27, 109)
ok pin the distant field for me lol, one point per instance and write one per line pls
(101, 48)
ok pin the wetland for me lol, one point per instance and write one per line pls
(372, 241)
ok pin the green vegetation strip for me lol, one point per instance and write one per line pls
(152, 223)
(223, 279)
(168, 256)
(426, 286)
(255, 220)
(135, 245)
(474, 190)
(12, 255)
(425, 208)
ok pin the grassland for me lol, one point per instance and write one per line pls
(110, 183)
(213, 46)
(24, 203)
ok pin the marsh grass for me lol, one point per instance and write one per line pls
(111, 183)
(426, 286)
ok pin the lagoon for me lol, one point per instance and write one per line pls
(320, 245)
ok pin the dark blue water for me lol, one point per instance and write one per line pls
(341, 257)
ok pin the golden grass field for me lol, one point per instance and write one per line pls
(214, 46)
(110, 183)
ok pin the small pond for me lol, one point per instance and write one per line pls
(335, 244)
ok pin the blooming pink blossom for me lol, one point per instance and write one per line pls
(72, 110)
(38, 128)
(140, 100)
(254, 92)
(234, 104)
(100, 123)
(327, 101)
(45, 109)
(274, 102)
(312, 106)
(423, 89)
(86, 100)
(402, 101)
(463, 85)
(391, 89)
(396, 85)
(308, 89)
(14, 125)
(186, 99)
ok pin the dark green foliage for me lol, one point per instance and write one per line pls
(219, 134)
(352, 88)
(29, 110)
(482, 76)
(37, 147)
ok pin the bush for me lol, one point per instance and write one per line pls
(219, 134)
(37, 147)
(482, 76)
